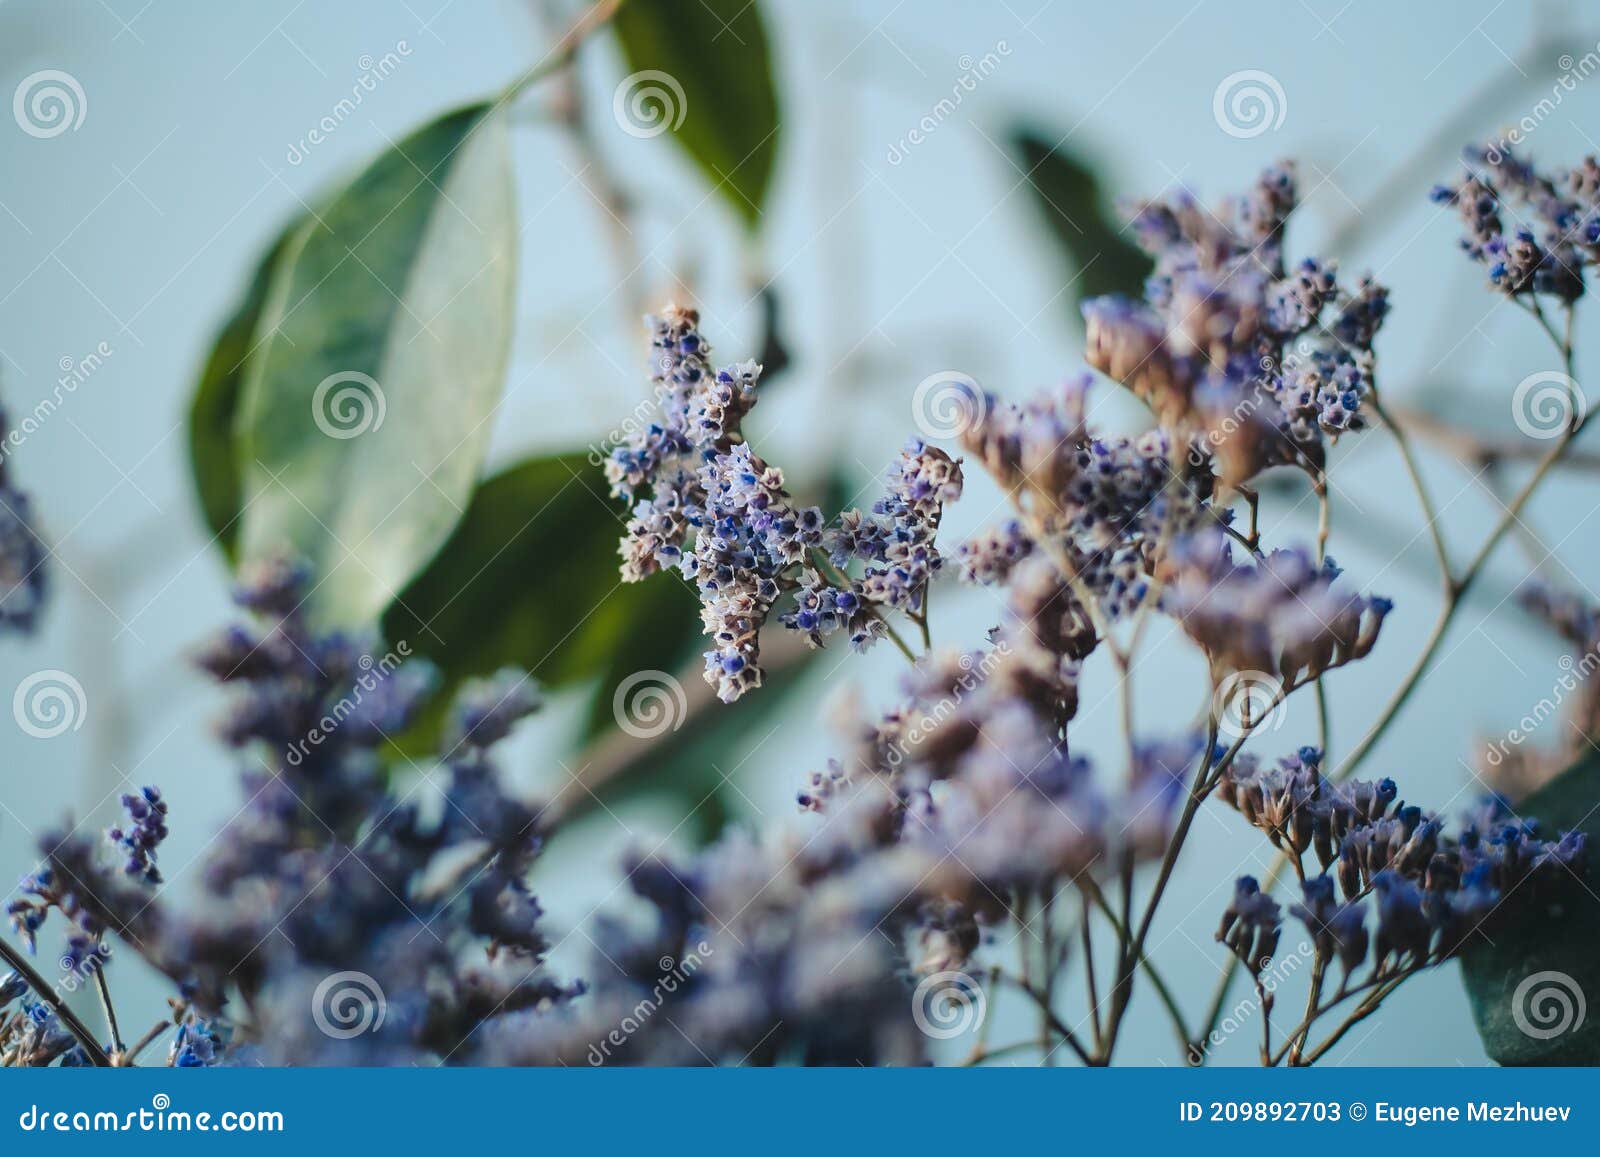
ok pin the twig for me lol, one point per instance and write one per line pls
(148, 1039)
(1066, 1034)
(565, 49)
(47, 994)
(1458, 586)
(109, 1009)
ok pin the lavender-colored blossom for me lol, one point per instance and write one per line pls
(708, 505)
(1220, 346)
(1535, 233)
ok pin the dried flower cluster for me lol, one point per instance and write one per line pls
(708, 505)
(1242, 355)
(964, 807)
(326, 870)
(1534, 232)
(1284, 613)
(1433, 891)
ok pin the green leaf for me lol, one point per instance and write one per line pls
(384, 340)
(1087, 233)
(530, 579)
(1527, 977)
(213, 457)
(702, 68)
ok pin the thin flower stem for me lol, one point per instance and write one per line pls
(1069, 1037)
(565, 49)
(1324, 720)
(1086, 934)
(977, 1057)
(109, 1009)
(1364, 1010)
(1297, 1042)
(148, 1039)
(1157, 982)
(1048, 970)
(1264, 998)
(1460, 585)
(840, 581)
(1324, 526)
(19, 963)
(1378, 987)
(1430, 511)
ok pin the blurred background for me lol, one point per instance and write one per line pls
(939, 196)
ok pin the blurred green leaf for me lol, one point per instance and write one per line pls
(695, 762)
(529, 579)
(662, 632)
(1087, 233)
(1548, 952)
(703, 68)
(213, 456)
(384, 339)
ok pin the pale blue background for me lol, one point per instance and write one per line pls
(138, 229)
